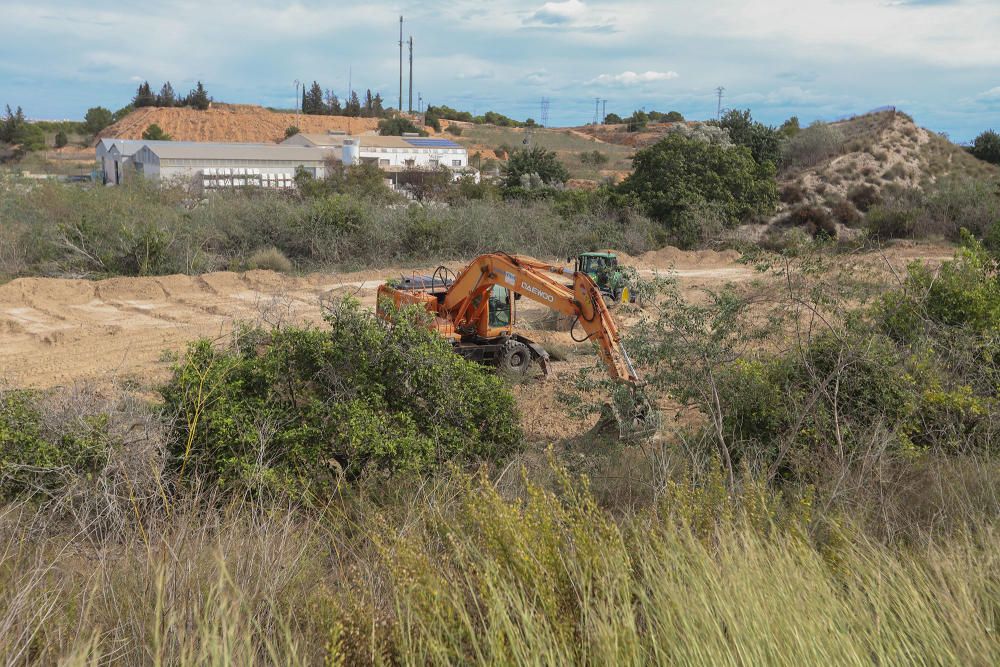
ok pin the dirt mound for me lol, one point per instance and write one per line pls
(239, 123)
(881, 152)
(671, 257)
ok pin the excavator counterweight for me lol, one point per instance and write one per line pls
(475, 310)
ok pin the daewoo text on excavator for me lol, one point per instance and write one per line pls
(476, 310)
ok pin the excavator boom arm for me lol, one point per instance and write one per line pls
(536, 280)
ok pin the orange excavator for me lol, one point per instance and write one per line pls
(476, 310)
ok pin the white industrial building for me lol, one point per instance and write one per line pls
(214, 165)
(228, 165)
(113, 156)
(389, 153)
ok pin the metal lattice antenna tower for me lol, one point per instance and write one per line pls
(718, 111)
(411, 74)
(597, 108)
(544, 117)
(400, 65)
(604, 110)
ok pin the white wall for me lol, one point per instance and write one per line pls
(421, 157)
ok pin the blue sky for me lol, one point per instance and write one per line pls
(818, 59)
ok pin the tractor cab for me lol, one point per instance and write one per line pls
(604, 270)
(596, 263)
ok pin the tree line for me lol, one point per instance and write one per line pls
(317, 102)
(145, 97)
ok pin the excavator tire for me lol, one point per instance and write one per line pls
(514, 358)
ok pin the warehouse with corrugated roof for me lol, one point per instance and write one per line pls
(216, 165)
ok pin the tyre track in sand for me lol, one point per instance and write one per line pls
(58, 331)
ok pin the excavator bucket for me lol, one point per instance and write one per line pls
(630, 410)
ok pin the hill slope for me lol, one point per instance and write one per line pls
(885, 151)
(241, 123)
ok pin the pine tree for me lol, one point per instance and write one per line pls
(377, 109)
(369, 103)
(312, 103)
(353, 107)
(144, 96)
(332, 104)
(198, 98)
(166, 98)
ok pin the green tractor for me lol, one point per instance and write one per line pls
(614, 280)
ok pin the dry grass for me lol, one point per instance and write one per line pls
(463, 569)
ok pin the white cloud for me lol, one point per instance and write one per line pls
(560, 13)
(629, 78)
(992, 95)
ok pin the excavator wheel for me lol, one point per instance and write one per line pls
(514, 358)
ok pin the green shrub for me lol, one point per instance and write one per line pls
(397, 126)
(291, 131)
(763, 141)
(986, 147)
(35, 459)
(811, 146)
(455, 130)
(677, 175)
(61, 139)
(155, 133)
(291, 408)
(534, 161)
(96, 119)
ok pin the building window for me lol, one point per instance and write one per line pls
(456, 163)
(409, 163)
(384, 162)
(434, 163)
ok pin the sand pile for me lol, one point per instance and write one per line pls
(240, 123)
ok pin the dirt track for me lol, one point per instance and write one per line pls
(57, 331)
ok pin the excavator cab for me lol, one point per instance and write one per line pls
(501, 308)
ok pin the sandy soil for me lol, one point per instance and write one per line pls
(56, 332)
(231, 122)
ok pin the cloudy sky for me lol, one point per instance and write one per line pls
(818, 59)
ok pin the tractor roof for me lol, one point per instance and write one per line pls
(597, 254)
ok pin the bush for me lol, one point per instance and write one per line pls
(61, 139)
(397, 126)
(270, 259)
(83, 453)
(986, 147)
(763, 141)
(678, 175)
(594, 157)
(811, 146)
(813, 219)
(893, 222)
(613, 119)
(792, 193)
(290, 409)
(534, 161)
(291, 131)
(96, 119)
(455, 130)
(864, 197)
(846, 213)
(155, 133)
